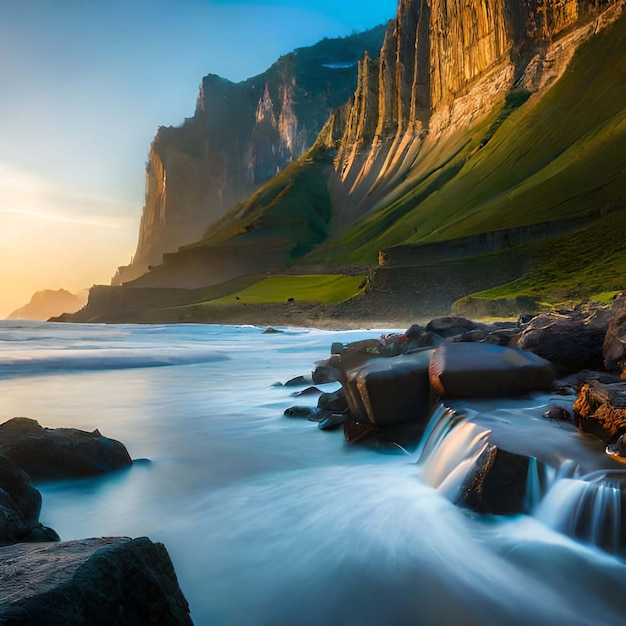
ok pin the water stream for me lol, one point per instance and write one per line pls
(271, 521)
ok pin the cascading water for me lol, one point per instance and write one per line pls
(268, 520)
(587, 507)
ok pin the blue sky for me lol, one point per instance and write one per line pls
(85, 83)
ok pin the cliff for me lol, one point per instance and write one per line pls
(442, 68)
(506, 117)
(240, 136)
(48, 303)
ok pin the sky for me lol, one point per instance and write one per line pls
(84, 84)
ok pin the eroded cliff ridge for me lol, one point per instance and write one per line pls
(240, 136)
(480, 155)
(442, 68)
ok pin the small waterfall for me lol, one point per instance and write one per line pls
(588, 507)
(539, 479)
(452, 445)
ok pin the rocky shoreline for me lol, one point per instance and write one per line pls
(392, 386)
(109, 580)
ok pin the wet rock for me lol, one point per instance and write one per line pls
(355, 431)
(354, 355)
(271, 331)
(451, 326)
(558, 413)
(309, 391)
(333, 422)
(325, 374)
(296, 381)
(617, 449)
(20, 504)
(480, 370)
(59, 452)
(100, 582)
(614, 345)
(601, 410)
(497, 483)
(390, 390)
(572, 342)
(335, 402)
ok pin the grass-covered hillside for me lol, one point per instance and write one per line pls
(555, 156)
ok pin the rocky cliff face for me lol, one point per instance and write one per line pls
(442, 67)
(240, 136)
(48, 303)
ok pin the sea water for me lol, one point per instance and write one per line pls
(269, 520)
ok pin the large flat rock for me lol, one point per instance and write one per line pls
(106, 581)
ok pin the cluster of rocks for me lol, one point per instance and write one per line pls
(95, 581)
(391, 385)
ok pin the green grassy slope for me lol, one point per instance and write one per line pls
(560, 155)
(292, 211)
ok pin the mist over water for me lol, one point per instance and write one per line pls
(267, 519)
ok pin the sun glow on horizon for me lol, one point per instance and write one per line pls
(53, 237)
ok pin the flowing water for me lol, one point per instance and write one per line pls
(271, 521)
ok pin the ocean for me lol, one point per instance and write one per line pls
(269, 520)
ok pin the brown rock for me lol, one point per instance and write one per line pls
(601, 410)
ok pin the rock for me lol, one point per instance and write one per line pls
(601, 410)
(497, 483)
(20, 504)
(309, 391)
(335, 401)
(481, 370)
(354, 355)
(614, 345)
(617, 449)
(297, 381)
(59, 452)
(271, 331)
(450, 326)
(100, 582)
(325, 374)
(386, 391)
(558, 413)
(572, 342)
(333, 422)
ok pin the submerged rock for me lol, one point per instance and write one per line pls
(100, 582)
(59, 452)
(481, 370)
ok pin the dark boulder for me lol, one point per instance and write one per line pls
(59, 452)
(334, 401)
(100, 582)
(451, 326)
(20, 504)
(481, 370)
(571, 342)
(497, 483)
(614, 345)
(391, 390)
(325, 374)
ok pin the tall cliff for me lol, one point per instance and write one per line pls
(240, 136)
(442, 68)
